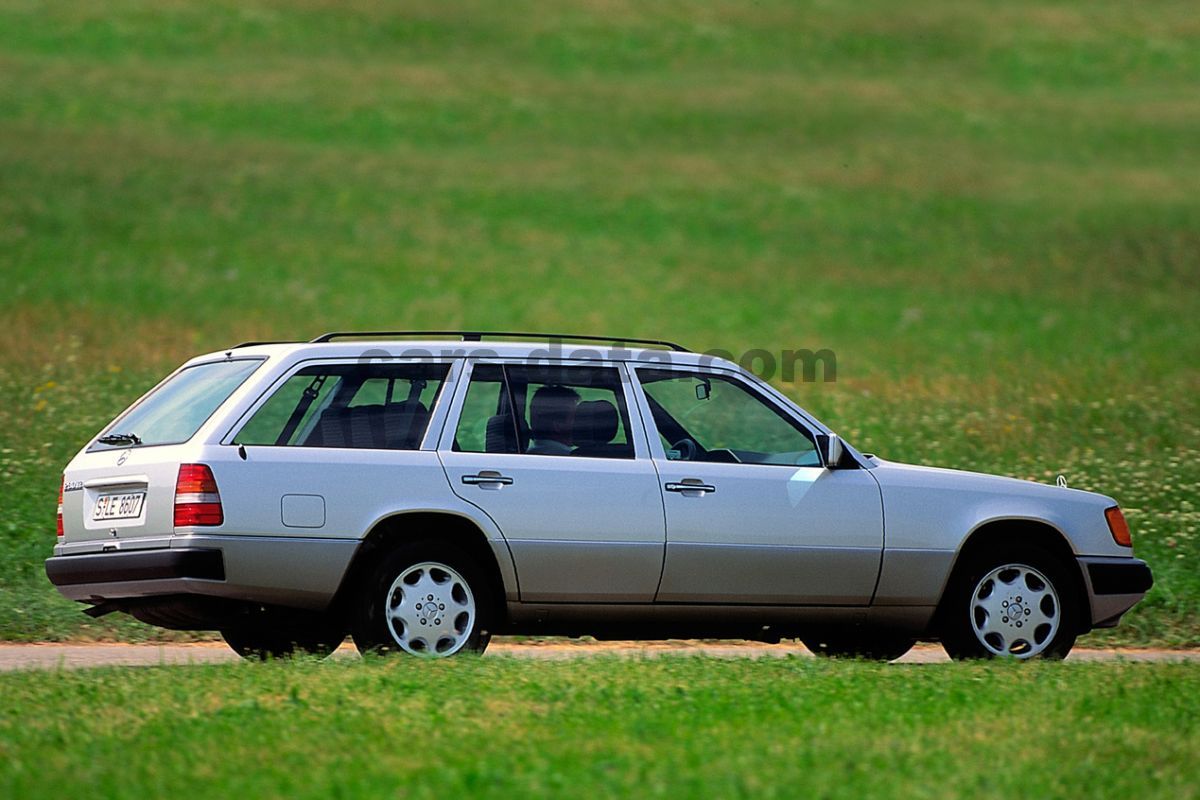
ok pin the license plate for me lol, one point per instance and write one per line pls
(118, 506)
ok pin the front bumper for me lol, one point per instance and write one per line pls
(1114, 586)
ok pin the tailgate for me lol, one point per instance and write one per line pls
(120, 495)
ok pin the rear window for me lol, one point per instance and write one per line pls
(175, 410)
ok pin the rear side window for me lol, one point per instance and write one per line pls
(365, 406)
(175, 411)
(550, 410)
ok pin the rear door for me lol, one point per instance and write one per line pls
(550, 454)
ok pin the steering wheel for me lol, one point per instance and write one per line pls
(687, 449)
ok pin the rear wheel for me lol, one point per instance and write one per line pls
(1013, 600)
(424, 599)
(880, 646)
(260, 642)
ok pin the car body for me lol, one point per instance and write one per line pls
(285, 493)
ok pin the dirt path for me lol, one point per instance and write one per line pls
(76, 656)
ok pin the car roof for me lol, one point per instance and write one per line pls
(553, 350)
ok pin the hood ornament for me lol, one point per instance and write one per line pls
(1062, 481)
(121, 459)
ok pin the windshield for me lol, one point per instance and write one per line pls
(175, 411)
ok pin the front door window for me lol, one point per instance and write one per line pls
(713, 418)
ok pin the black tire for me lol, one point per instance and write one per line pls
(870, 646)
(369, 622)
(960, 612)
(260, 642)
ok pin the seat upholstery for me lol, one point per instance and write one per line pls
(404, 424)
(596, 425)
(499, 436)
(397, 426)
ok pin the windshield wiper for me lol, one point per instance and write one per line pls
(119, 438)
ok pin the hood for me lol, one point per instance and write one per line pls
(941, 477)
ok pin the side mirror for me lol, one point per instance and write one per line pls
(832, 449)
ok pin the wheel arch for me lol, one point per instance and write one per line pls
(1020, 529)
(441, 525)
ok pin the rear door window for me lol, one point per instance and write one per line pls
(545, 410)
(364, 406)
(174, 411)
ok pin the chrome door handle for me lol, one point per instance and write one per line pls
(487, 477)
(690, 486)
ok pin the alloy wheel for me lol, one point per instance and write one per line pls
(430, 610)
(1015, 611)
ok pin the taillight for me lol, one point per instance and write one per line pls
(60, 498)
(197, 501)
(1118, 526)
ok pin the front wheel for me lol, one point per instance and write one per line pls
(879, 646)
(1017, 601)
(424, 599)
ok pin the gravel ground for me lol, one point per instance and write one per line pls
(77, 656)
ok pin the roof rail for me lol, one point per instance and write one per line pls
(256, 344)
(478, 336)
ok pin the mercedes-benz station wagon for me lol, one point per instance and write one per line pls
(424, 495)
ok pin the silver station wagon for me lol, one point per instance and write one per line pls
(423, 495)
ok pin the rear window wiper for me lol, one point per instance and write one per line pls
(119, 438)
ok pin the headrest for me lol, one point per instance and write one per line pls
(595, 423)
(550, 409)
(499, 437)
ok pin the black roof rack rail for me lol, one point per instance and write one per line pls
(478, 336)
(256, 344)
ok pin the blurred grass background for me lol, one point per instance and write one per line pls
(989, 212)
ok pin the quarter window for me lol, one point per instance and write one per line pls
(710, 417)
(369, 406)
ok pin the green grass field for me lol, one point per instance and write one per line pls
(988, 211)
(668, 727)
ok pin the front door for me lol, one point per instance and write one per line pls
(548, 452)
(752, 515)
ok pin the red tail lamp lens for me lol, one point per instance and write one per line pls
(195, 479)
(197, 501)
(60, 499)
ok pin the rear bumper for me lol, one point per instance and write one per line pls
(298, 572)
(1114, 586)
(147, 565)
